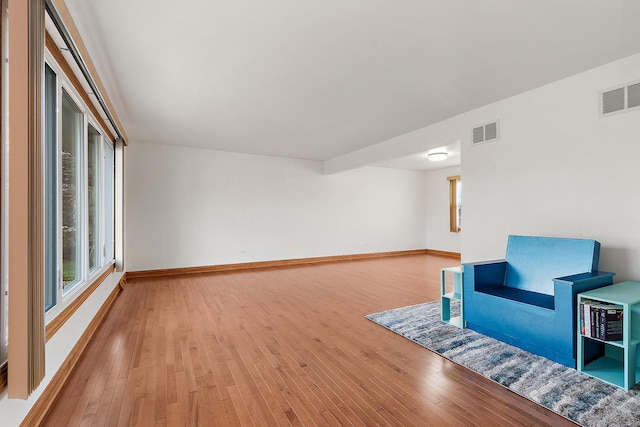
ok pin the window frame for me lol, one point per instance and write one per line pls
(64, 298)
(104, 260)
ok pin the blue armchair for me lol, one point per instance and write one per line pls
(529, 298)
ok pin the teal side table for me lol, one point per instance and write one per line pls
(618, 363)
(449, 293)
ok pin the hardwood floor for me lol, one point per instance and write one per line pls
(281, 346)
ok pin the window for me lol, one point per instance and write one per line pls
(109, 202)
(79, 192)
(455, 203)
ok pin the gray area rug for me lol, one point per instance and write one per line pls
(578, 397)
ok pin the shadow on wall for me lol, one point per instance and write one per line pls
(619, 261)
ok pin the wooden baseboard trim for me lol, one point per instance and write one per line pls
(42, 406)
(123, 281)
(266, 264)
(455, 255)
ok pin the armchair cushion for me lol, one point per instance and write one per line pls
(533, 262)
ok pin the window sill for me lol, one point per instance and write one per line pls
(57, 322)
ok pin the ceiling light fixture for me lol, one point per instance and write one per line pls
(438, 156)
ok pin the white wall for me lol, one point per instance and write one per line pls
(193, 207)
(558, 169)
(437, 219)
(13, 411)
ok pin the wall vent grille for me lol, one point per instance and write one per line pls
(633, 95)
(620, 99)
(485, 133)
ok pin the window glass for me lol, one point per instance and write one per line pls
(72, 124)
(93, 184)
(50, 189)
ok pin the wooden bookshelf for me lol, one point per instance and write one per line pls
(614, 362)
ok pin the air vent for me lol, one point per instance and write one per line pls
(485, 133)
(620, 99)
(633, 95)
(613, 101)
(478, 134)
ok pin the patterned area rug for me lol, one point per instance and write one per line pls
(578, 397)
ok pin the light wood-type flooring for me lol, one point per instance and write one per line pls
(278, 347)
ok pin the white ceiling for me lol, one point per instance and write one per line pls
(318, 79)
(419, 161)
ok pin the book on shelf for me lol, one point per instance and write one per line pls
(601, 320)
(595, 331)
(585, 317)
(611, 323)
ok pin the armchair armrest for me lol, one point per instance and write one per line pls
(567, 287)
(486, 274)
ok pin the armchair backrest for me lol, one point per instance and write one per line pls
(533, 262)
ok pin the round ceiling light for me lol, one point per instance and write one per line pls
(437, 156)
